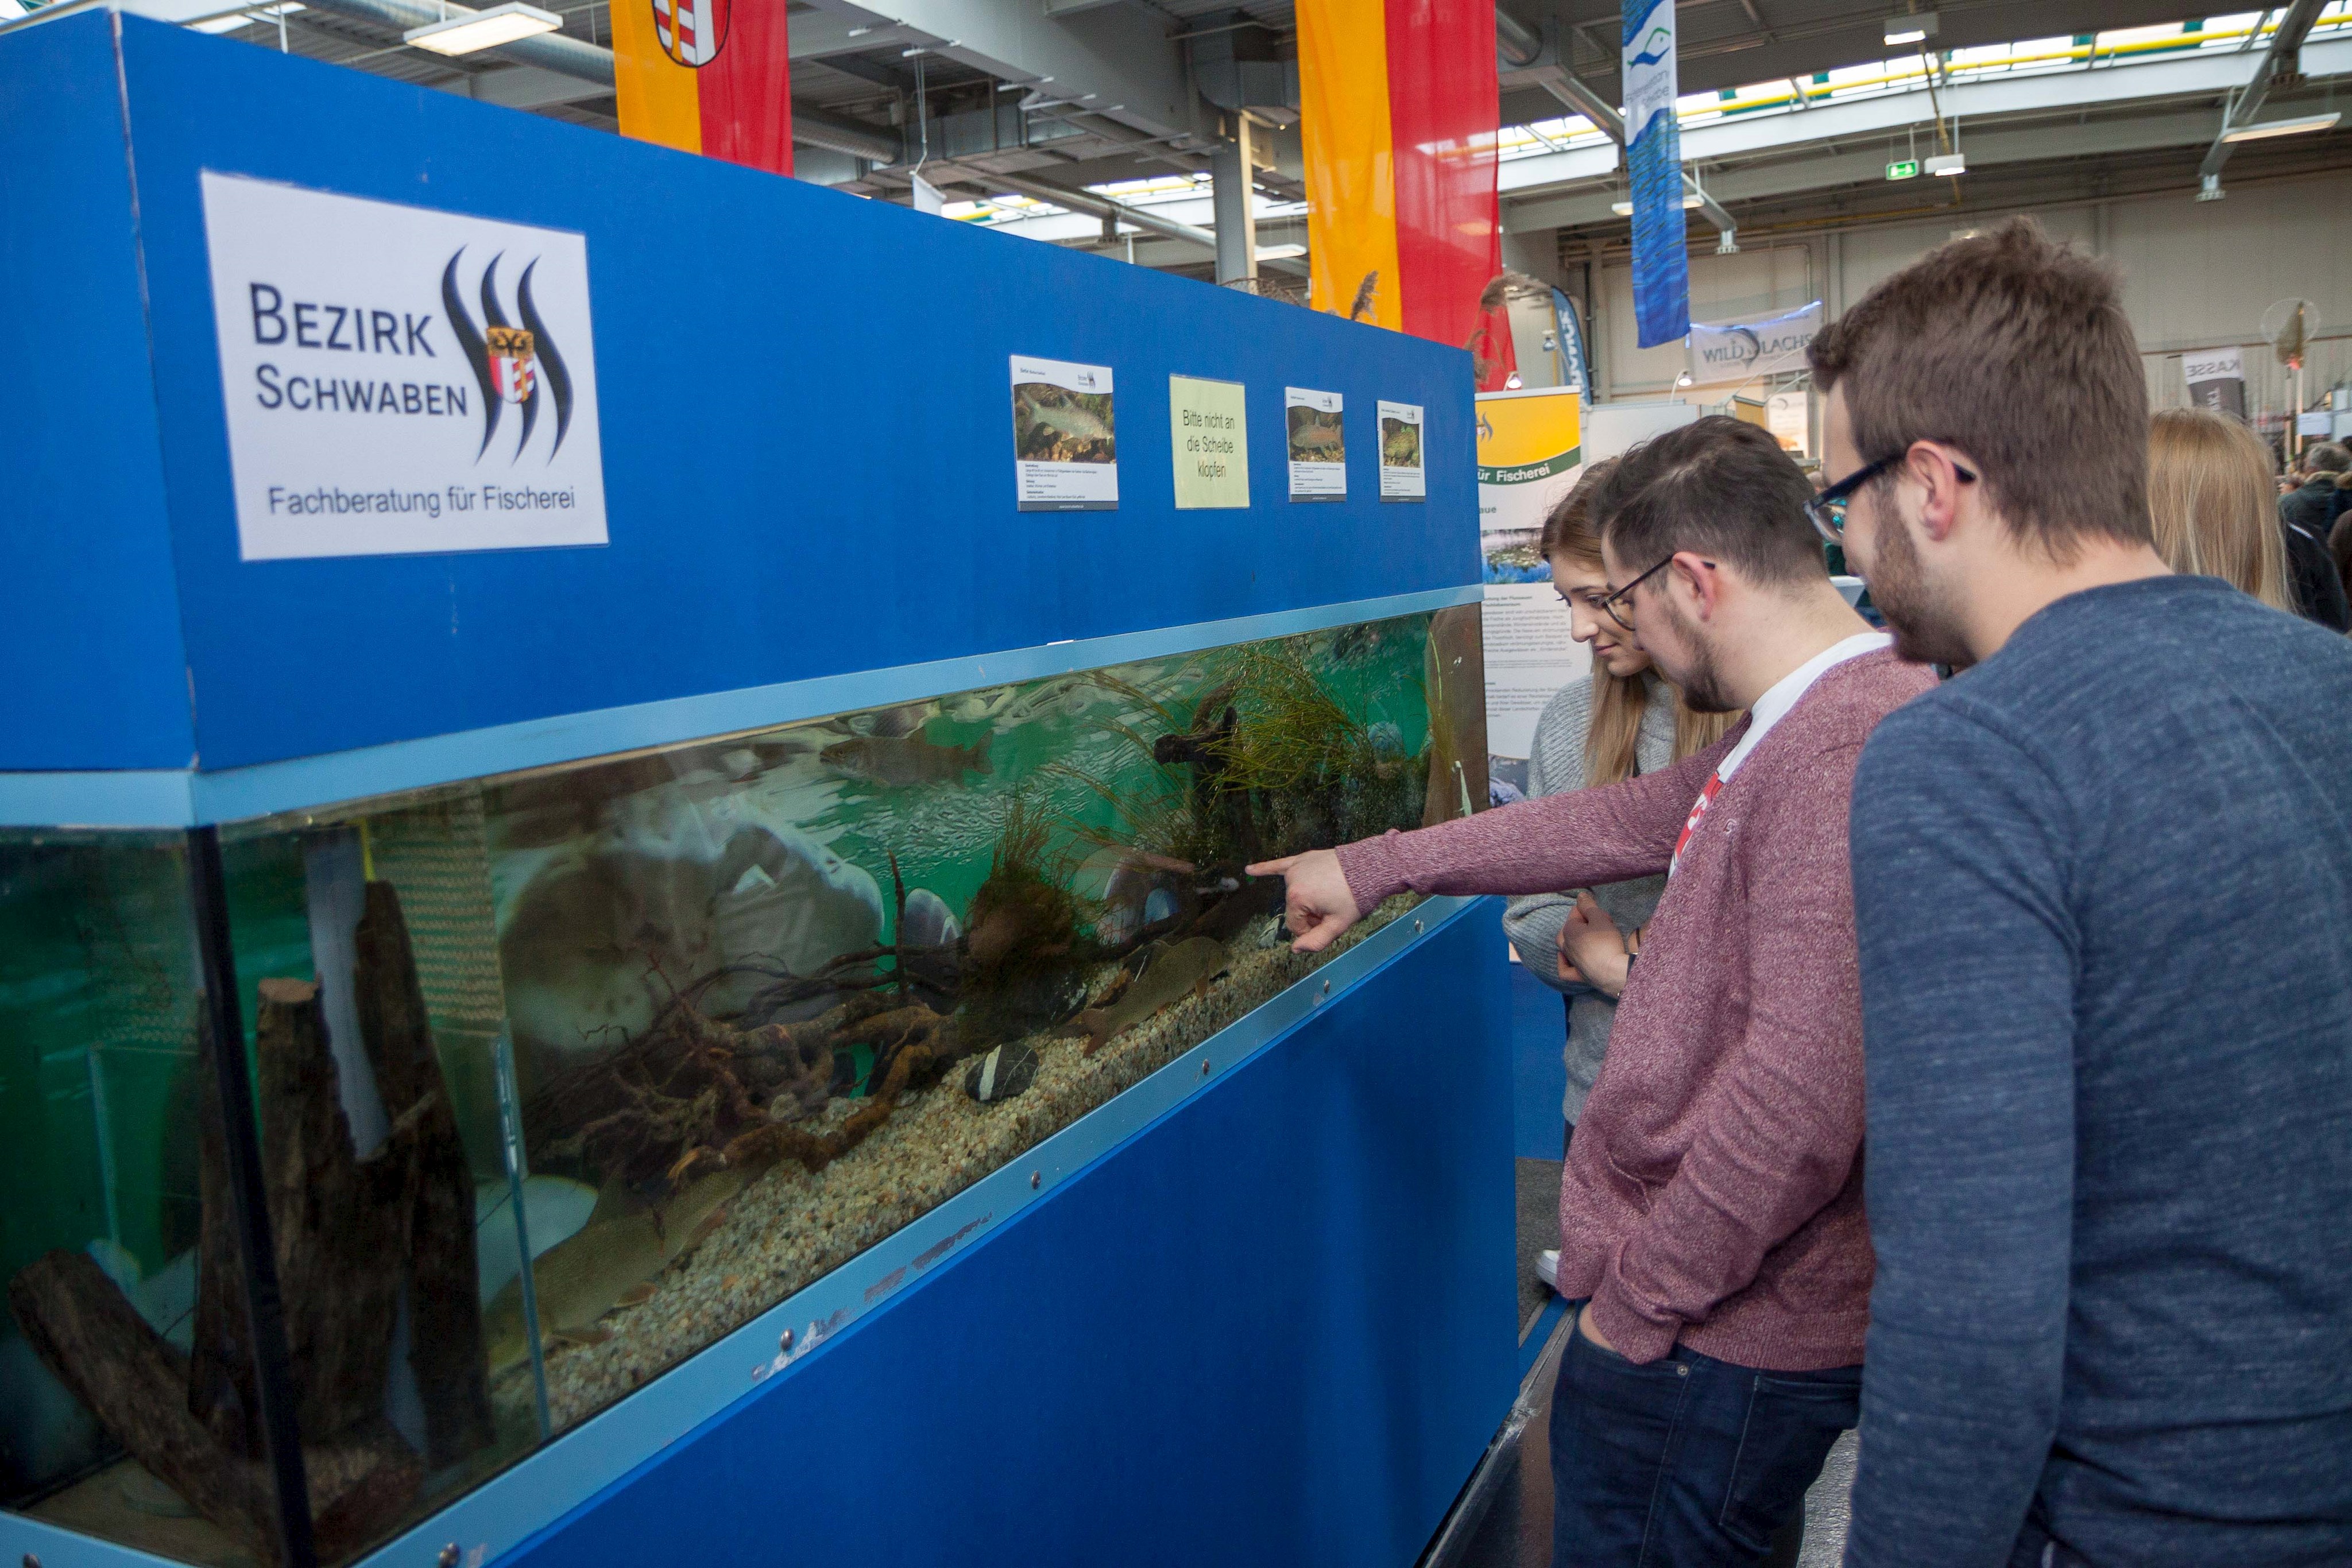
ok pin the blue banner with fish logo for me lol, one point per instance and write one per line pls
(1653, 158)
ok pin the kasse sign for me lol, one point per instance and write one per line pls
(401, 381)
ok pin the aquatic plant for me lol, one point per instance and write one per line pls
(1022, 942)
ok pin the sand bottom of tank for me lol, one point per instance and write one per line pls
(791, 1227)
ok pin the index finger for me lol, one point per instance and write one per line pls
(1272, 868)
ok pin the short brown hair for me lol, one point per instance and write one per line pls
(2015, 350)
(1720, 487)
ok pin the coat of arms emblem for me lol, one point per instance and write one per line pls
(692, 32)
(513, 364)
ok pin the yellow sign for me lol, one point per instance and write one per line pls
(1524, 437)
(1210, 426)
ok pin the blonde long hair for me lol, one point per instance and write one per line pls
(1612, 742)
(2212, 499)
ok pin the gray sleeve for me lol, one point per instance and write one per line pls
(1532, 922)
(1969, 953)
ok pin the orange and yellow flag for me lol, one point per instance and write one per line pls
(707, 75)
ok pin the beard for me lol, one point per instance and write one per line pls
(1920, 614)
(1701, 681)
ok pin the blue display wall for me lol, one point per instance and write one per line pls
(807, 442)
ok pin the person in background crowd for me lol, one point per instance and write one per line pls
(1625, 721)
(2307, 514)
(1710, 1212)
(2102, 884)
(2209, 494)
(2339, 538)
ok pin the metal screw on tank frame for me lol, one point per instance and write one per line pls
(449, 1556)
(784, 1340)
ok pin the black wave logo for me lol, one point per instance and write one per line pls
(553, 379)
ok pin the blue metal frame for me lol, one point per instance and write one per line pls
(162, 798)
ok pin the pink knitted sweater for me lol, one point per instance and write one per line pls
(1713, 1192)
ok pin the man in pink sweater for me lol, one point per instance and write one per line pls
(1711, 1220)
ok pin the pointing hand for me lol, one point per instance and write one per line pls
(1318, 907)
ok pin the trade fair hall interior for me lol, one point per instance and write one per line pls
(1054, 782)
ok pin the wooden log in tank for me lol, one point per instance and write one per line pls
(337, 1223)
(444, 1299)
(219, 1385)
(135, 1383)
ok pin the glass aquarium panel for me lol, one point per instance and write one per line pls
(687, 1028)
(126, 1372)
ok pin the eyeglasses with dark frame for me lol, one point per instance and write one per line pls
(1608, 604)
(1826, 511)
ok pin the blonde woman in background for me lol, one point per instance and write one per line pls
(2211, 492)
(1624, 720)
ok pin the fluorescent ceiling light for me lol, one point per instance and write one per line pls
(2256, 132)
(1910, 29)
(1950, 163)
(1279, 252)
(1625, 209)
(469, 31)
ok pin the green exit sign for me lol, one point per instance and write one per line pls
(1907, 169)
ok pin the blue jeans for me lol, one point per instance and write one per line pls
(1687, 1462)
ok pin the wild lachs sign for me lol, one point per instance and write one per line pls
(1737, 350)
(401, 381)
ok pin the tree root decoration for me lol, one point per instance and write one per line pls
(690, 1085)
(135, 1381)
(921, 1048)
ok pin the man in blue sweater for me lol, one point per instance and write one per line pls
(2103, 889)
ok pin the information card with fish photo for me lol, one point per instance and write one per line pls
(1401, 476)
(1319, 445)
(1065, 448)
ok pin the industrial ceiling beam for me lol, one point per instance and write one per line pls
(1536, 60)
(2282, 60)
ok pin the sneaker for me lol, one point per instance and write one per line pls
(1548, 1267)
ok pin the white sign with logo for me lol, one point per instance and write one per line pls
(401, 381)
(1736, 351)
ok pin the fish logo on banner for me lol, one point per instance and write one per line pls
(692, 32)
(509, 362)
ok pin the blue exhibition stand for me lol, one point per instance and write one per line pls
(1258, 1309)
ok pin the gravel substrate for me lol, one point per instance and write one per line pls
(789, 1227)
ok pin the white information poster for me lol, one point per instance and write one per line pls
(1319, 445)
(401, 381)
(1529, 657)
(1401, 475)
(1065, 440)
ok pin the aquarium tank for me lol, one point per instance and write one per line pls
(546, 1081)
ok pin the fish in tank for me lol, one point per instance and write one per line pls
(559, 1077)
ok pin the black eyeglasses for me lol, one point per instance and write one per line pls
(1609, 603)
(1826, 511)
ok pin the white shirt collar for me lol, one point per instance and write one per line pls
(1774, 705)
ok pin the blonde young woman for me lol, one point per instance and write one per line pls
(2211, 495)
(1625, 720)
